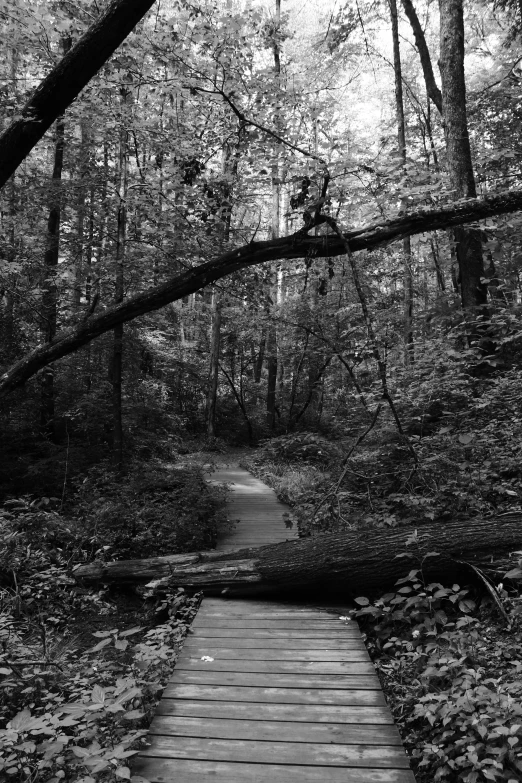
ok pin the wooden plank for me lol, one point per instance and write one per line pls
(269, 680)
(248, 606)
(278, 752)
(321, 643)
(282, 624)
(314, 713)
(162, 770)
(258, 654)
(285, 635)
(275, 731)
(277, 614)
(278, 667)
(331, 696)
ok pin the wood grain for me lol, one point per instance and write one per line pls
(163, 770)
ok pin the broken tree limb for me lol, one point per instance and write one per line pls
(355, 562)
(298, 245)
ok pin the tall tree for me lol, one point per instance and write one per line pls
(458, 150)
(271, 343)
(451, 102)
(401, 137)
(119, 283)
(50, 288)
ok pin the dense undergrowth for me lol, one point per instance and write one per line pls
(80, 669)
(448, 655)
(451, 673)
(459, 455)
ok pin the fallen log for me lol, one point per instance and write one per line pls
(356, 562)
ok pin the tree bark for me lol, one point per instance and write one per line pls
(67, 79)
(352, 563)
(297, 245)
(401, 138)
(116, 370)
(213, 377)
(50, 288)
(458, 151)
(432, 89)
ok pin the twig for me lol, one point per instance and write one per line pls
(381, 364)
(345, 470)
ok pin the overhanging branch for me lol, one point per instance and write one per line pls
(298, 245)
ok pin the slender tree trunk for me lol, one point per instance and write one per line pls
(117, 355)
(50, 289)
(271, 350)
(215, 342)
(441, 283)
(271, 343)
(458, 151)
(83, 173)
(401, 135)
(429, 77)
(258, 366)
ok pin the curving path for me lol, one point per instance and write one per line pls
(271, 692)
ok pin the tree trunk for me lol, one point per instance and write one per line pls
(427, 69)
(401, 137)
(458, 151)
(271, 342)
(350, 563)
(121, 231)
(297, 245)
(215, 342)
(271, 350)
(67, 79)
(50, 289)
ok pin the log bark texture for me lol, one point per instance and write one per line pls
(354, 563)
(298, 245)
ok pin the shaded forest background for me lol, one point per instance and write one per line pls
(215, 126)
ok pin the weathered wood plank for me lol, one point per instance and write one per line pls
(197, 650)
(255, 752)
(249, 605)
(277, 614)
(281, 624)
(276, 731)
(278, 667)
(331, 696)
(271, 680)
(314, 713)
(265, 633)
(322, 643)
(161, 770)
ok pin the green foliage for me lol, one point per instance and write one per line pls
(76, 711)
(460, 714)
(77, 685)
(299, 447)
(157, 510)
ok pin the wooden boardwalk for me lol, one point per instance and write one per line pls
(271, 692)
